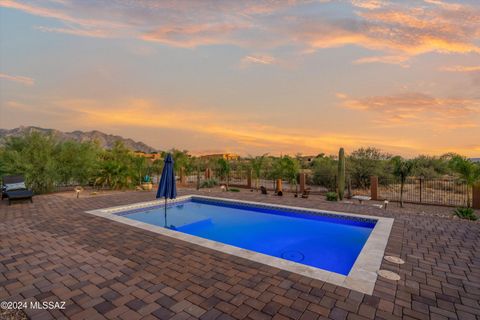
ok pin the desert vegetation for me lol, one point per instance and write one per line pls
(48, 163)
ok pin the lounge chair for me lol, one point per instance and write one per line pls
(13, 188)
(263, 190)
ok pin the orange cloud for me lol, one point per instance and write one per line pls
(258, 59)
(190, 36)
(409, 109)
(250, 134)
(397, 30)
(368, 4)
(383, 59)
(244, 135)
(461, 69)
(445, 5)
(19, 79)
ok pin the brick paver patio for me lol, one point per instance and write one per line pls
(52, 251)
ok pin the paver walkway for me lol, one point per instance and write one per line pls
(52, 251)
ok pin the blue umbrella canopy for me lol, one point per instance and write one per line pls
(167, 187)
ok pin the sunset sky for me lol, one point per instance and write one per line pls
(248, 76)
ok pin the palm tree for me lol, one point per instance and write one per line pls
(402, 169)
(223, 169)
(468, 171)
(257, 164)
(157, 167)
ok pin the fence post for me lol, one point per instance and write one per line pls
(278, 186)
(208, 173)
(476, 196)
(303, 179)
(421, 185)
(374, 187)
(249, 179)
(183, 180)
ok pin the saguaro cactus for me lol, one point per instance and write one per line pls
(341, 173)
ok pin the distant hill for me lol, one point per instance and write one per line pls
(106, 140)
(475, 159)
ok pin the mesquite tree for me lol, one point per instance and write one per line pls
(402, 168)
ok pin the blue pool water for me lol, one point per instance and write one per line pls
(325, 242)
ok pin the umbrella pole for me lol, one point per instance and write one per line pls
(165, 212)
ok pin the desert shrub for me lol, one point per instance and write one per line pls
(33, 156)
(430, 167)
(209, 183)
(331, 196)
(325, 172)
(116, 169)
(465, 213)
(364, 163)
(76, 162)
(285, 168)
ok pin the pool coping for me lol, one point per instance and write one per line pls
(362, 276)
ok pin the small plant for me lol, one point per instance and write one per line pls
(331, 196)
(147, 179)
(465, 213)
(210, 183)
(234, 190)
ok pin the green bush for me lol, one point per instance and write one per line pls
(332, 196)
(364, 163)
(209, 183)
(48, 163)
(233, 190)
(325, 172)
(465, 213)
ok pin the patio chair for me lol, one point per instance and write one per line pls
(263, 190)
(13, 188)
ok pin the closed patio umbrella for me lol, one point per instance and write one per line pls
(167, 187)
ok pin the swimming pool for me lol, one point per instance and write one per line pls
(340, 248)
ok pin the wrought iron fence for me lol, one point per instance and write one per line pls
(430, 191)
(448, 192)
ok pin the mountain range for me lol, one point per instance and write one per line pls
(105, 140)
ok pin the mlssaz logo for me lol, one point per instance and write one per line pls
(47, 305)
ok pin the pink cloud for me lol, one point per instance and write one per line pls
(259, 59)
(396, 31)
(19, 79)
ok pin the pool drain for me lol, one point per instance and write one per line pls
(389, 275)
(393, 259)
(295, 256)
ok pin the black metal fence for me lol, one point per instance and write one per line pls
(448, 192)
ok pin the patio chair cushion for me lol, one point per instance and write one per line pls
(19, 194)
(15, 186)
